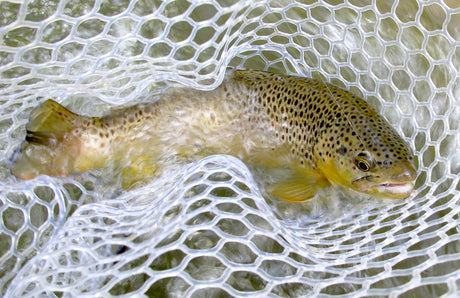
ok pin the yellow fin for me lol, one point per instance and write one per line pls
(301, 185)
(50, 121)
(141, 170)
(45, 151)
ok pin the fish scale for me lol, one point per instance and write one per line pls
(322, 134)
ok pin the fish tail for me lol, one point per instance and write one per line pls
(48, 139)
(49, 121)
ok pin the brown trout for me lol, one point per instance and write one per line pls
(322, 134)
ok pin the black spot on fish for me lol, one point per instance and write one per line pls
(342, 150)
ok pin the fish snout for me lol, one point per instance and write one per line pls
(407, 173)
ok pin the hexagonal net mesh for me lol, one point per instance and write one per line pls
(205, 229)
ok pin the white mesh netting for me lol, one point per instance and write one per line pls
(205, 229)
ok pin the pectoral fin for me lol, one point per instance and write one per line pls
(301, 185)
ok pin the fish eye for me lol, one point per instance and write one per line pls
(364, 161)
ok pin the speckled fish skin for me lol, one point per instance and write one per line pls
(335, 132)
(323, 133)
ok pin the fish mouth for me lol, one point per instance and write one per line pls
(397, 190)
(392, 188)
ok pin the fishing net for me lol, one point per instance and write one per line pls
(204, 229)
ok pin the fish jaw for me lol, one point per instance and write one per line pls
(396, 182)
(390, 190)
(398, 186)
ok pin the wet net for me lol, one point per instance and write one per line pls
(205, 229)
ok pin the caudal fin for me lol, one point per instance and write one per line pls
(49, 122)
(41, 151)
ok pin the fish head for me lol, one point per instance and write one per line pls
(369, 158)
(391, 178)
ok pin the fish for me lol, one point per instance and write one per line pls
(320, 134)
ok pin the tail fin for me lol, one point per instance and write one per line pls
(50, 121)
(46, 131)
